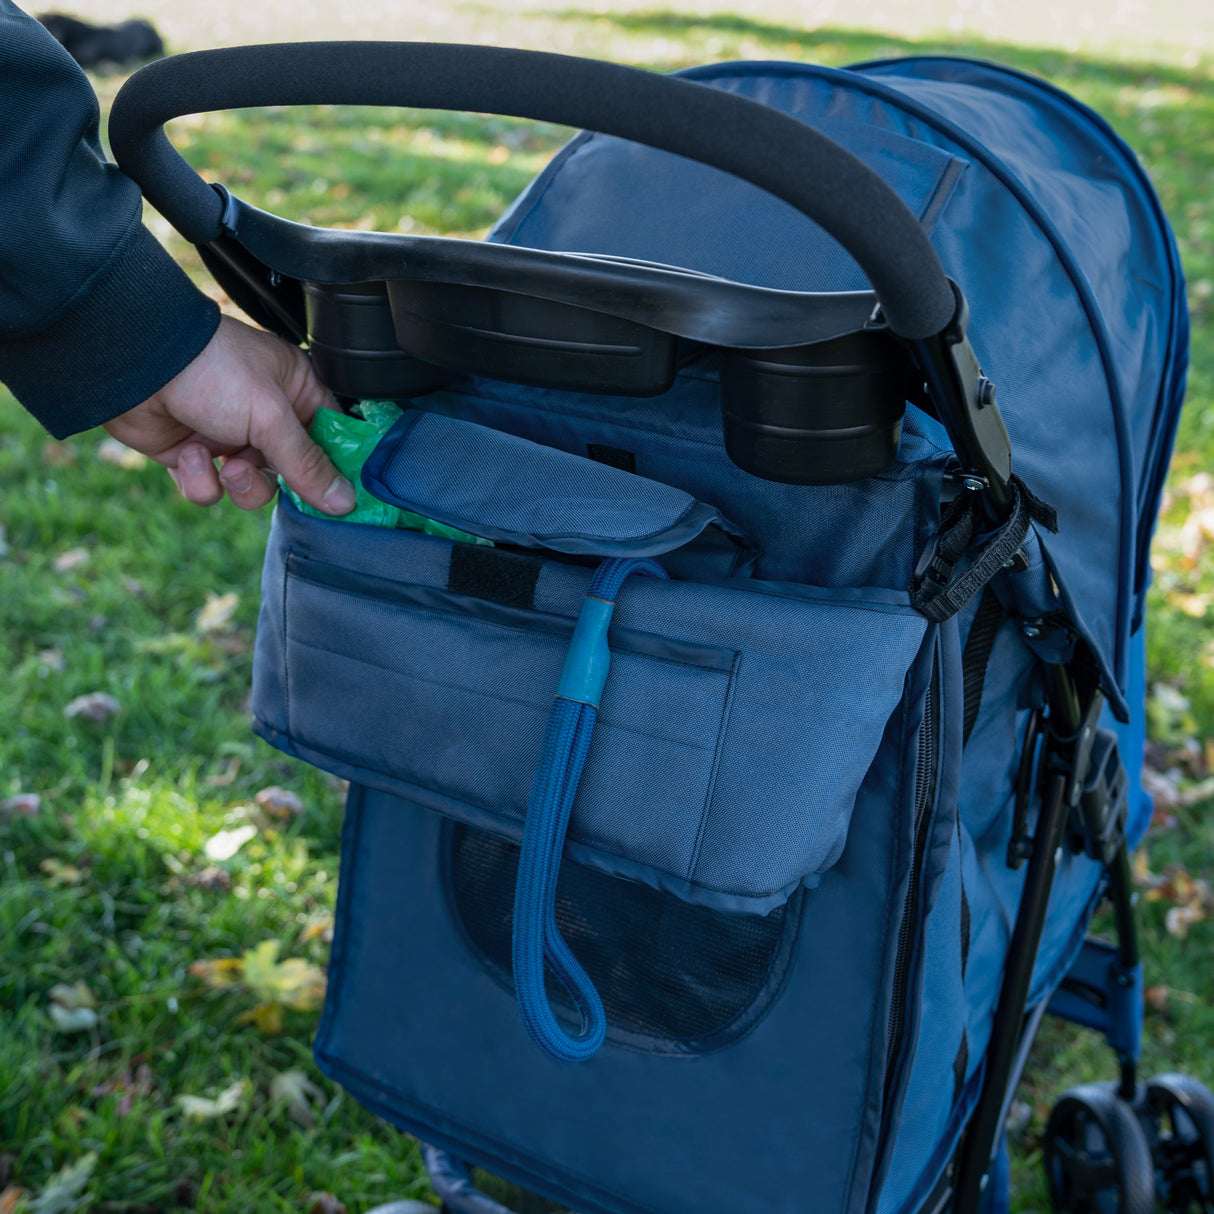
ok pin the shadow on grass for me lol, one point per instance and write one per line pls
(857, 45)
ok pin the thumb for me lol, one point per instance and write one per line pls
(306, 468)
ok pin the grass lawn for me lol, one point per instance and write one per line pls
(140, 1071)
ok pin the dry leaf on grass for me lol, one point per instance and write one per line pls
(279, 802)
(226, 843)
(220, 973)
(23, 805)
(216, 613)
(111, 451)
(277, 985)
(1191, 898)
(204, 1108)
(294, 983)
(64, 1193)
(59, 874)
(96, 706)
(73, 1007)
(58, 455)
(10, 1200)
(73, 558)
(320, 928)
(298, 1093)
(325, 1203)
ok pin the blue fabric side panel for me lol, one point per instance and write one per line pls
(447, 1057)
(1152, 458)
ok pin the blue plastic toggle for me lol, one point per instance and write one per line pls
(586, 664)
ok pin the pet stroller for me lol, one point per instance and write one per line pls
(743, 883)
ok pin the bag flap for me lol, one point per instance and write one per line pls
(515, 491)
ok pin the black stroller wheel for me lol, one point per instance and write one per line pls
(1096, 1156)
(1181, 1130)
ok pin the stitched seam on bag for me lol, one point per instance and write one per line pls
(477, 525)
(491, 695)
(345, 925)
(891, 940)
(718, 757)
(447, 615)
(904, 610)
(286, 636)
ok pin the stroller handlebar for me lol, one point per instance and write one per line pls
(761, 145)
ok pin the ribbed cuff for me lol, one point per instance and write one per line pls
(140, 321)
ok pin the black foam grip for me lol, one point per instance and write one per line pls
(764, 146)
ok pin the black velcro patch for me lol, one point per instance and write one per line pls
(614, 457)
(489, 573)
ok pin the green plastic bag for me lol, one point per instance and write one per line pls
(348, 439)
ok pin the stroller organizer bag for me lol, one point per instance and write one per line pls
(737, 756)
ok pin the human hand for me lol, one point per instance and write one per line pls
(247, 400)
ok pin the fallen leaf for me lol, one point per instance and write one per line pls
(73, 558)
(203, 1108)
(265, 1018)
(1179, 919)
(58, 455)
(225, 844)
(64, 1192)
(212, 879)
(219, 973)
(96, 706)
(23, 805)
(10, 1200)
(295, 983)
(279, 802)
(326, 1203)
(59, 874)
(111, 451)
(1156, 998)
(298, 1093)
(73, 996)
(319, 928)
(52, 659)
(72, 1020)
(216, 613)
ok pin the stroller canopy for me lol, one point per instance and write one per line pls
(1040, 213)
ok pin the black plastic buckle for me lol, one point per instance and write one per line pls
(1098, 822)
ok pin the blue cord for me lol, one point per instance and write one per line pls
(537, 939)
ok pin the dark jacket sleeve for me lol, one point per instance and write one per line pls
(94, 314)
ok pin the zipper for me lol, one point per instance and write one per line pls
(925, 783)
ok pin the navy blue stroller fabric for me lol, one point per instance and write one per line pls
(785, 871)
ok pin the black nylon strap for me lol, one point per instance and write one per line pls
(978, 646)
(937, 595)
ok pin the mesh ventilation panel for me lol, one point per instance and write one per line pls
(670, 973)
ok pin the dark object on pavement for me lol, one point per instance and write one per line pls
(92, 45)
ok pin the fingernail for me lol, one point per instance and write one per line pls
(239, 480)
(339, 497)
(193, 459)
